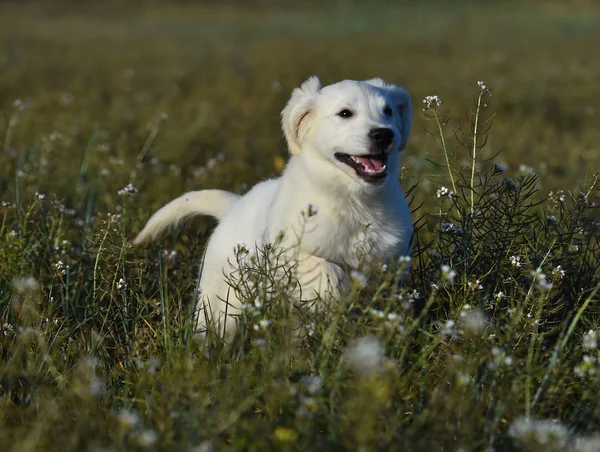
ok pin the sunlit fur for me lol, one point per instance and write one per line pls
(355, 219)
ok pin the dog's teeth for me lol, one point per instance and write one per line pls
(375, 171)
(355, 160)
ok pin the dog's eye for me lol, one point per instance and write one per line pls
(345, 113)
(388, 111)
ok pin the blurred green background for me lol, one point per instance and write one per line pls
(96, 79)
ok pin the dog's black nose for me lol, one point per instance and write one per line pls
(382, 137)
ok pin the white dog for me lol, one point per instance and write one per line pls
(345, 140)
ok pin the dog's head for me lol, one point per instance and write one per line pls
(357, 127)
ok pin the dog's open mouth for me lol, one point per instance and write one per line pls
(370, 167)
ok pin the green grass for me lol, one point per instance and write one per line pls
(474, 352)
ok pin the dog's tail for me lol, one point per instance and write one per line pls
(214, 203)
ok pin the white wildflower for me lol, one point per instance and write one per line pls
(27, 332)
(128, 419)
(404, 260)
(129, 190)
(275, 85)
(311, 328)
(95, 386)
(456, 357)
(364, 356)
(588, 366)
(448, 274)
(541, 281)
(432, 102)
(25, 284)
(590, 340)
(539, 432)
(392, 316)
(515, 261)
(151, 364)
(526, 169)
(19, 105)
(557, 198)
(463, 378)
(115, 161)
(312, 384)
(474, 321)
(264, 323)
(121, 284)
(114, 217)
(7, 329)
(447, 328)
(499, 358)
(500, 296)
(147, 438)
(170, 256)
(475, 285)
(377, 313)
(443, 192)
(484, 88)
(409, 297)
(206, 446)
(558, 272)
(103, 147)
(61, 268)
(586, 443)
(307, 408)
(359, 278)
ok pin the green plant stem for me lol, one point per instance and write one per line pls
(445, 148)
(474, 154)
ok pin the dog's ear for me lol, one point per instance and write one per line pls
(295, 117)
(400, 99)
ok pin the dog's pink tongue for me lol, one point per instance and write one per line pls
(373, 164)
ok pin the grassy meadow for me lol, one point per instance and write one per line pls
(491, 344)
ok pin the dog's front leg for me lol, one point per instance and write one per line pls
(321, 278)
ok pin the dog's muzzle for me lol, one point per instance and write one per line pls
(369, 167)
(382, 137)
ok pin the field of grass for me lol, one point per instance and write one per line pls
(492, 343)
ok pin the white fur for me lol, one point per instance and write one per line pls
(214, 203)
(355, 220)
